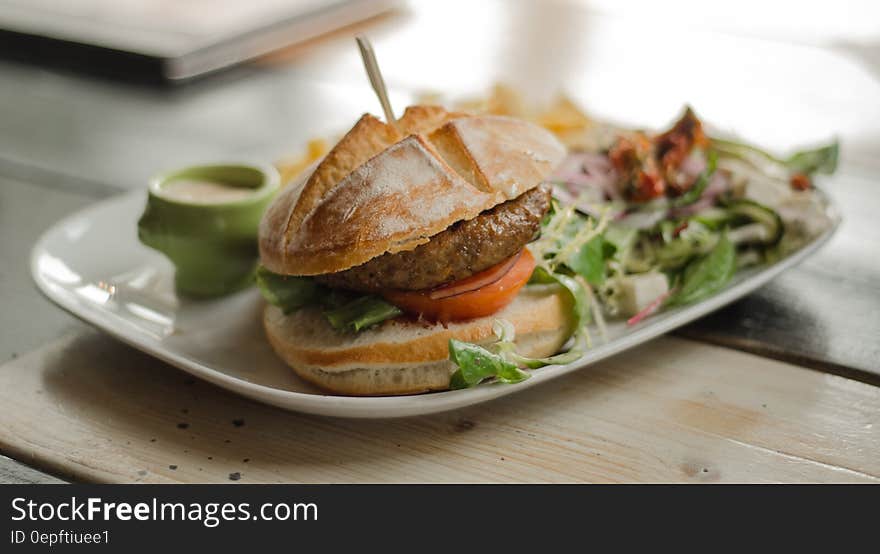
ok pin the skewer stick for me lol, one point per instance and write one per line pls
(375, 76)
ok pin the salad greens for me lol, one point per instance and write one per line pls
(344, 311)
(673, 252)
(808, 162)
(476, 364)
(707, 274)
(746, 210)
(506, 346)
(698, 234)
(573, 286)
(361, 313)
(287, 292)
(589, 260)
(819, 160)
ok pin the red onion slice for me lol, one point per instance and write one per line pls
(474, 282)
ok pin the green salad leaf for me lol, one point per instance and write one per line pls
(573, 354)
(817, 160)
(361, 313)
(695, 240)
(589, 260)
(621, 237)
(343, 310)
(747, 209)
(574, 240)
(285, 291)
(579, 298)
(712, 218)
(705, 275)
(506, 347)
(476, 364)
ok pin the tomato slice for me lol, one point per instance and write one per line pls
(480, 302)
(477, 280)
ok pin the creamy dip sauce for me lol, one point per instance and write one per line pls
(204, 192)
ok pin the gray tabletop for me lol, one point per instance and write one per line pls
(67, 141)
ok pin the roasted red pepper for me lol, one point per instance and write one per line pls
(648, 186)
(651, 167)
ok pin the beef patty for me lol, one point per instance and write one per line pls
(465, 248)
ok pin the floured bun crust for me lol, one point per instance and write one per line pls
(383, 189)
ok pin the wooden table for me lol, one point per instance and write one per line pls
(667, 411)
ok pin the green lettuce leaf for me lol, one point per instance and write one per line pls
(819, 160)
(506, 347)
(287, 292)
(695, 240)
(580, 302)
(569, 238)
(816, 160)
(361, 313)
(707, 274)
(590, 260)
(344, 311)
(621, 237)
(476, 364)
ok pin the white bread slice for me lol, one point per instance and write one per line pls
(408, 357)
(361, 182)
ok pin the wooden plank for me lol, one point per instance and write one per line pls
(672, 410)
(13, 472)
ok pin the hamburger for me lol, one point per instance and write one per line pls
(405, 237)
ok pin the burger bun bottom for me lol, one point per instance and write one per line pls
(404, 356)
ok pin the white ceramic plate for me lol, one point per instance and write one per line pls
(92, 265)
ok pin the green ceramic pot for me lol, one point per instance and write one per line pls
(213, 245)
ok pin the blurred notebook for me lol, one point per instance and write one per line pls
(173, 39)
